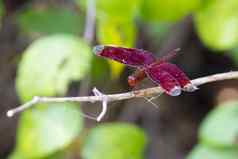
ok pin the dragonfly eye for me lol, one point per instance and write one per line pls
(98, 49)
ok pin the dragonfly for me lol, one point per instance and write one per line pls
(163, 73)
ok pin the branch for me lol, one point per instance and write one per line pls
(120, 96)
(90, 21)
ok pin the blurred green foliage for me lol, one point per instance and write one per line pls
(1, 12)
(204, 151)
(100, 73)
(167, 11)
(117, 9)
(220, 128)
(1, 9)
(217, 24)
(47, 129)
(234, 54)
(116, 140)
(218, 135)
(116, 32)
(50, 21)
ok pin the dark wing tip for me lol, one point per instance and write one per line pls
(97, 50)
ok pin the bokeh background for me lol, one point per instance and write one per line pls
(46, 50)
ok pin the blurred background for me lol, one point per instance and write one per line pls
(46, 50)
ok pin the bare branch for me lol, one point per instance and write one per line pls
(120, 96)
(34, 100)
(90, 21)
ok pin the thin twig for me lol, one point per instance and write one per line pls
(104, 103)
(90, 21)
(120, 96)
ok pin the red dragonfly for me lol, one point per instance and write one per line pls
(171, 78)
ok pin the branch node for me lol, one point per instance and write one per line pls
(104, 99)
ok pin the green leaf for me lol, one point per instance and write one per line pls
(49, 21)
(56, 155)
(158, 32)
(220, 127)
(48, 129)
(116, 69)
(16, 155)
(117, 9)
(100, 71)
(234, 55)
(116, 140)
(1, 12)
(50, 64)
(202, 151)
(217, 24)
(167, 10)
(115, 32)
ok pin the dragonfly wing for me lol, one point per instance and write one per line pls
(169, 56)
(129, 56)
(180, 76)
(164, 79)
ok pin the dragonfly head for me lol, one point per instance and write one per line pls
(97, 50)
